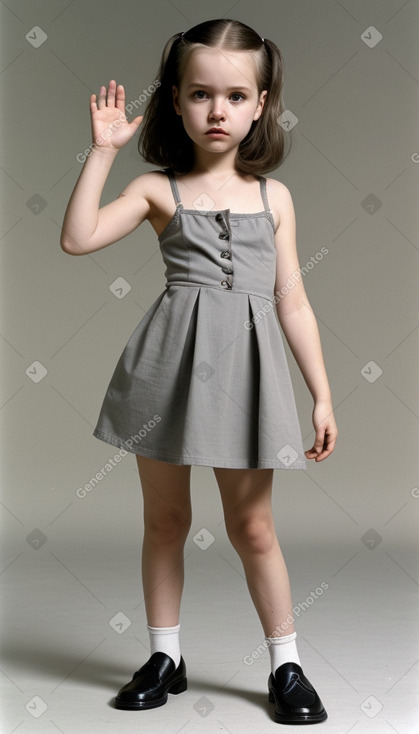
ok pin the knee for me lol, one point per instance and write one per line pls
(255, 535)
(169, 528)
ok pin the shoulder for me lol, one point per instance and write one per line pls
(280, 201)
(146, 185)
(151, 187)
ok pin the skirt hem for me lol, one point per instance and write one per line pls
(196, 460)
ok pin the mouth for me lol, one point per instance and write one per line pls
(216, 131)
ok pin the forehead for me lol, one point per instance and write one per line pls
(219, 68)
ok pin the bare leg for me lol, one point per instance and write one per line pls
(246, 496)
(167, 521)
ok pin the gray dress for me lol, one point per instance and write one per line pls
(204, 378)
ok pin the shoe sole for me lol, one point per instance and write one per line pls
(176, 688)
(297, 718)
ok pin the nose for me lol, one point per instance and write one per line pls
(217, 109)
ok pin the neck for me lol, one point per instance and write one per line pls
(219, 165)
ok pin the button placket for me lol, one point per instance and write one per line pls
(225, 254)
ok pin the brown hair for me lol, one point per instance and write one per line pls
(163, 140)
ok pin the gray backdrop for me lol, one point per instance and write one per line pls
(351, 81)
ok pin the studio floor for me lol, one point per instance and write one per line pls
(73, 632)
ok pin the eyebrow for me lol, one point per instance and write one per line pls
(208, 86)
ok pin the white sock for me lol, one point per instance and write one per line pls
(283, 650)
(165, 639)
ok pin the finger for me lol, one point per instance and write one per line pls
(137, 120)
(324, 454)
(318, 445)
(93, 105)
(120, 97)
(111, 93)
(312, 454)
(320, 440)
(102, 98)
(328, 447)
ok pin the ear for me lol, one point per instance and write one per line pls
(175, 93)
(261, 104)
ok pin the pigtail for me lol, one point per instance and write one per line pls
(163, 140)
(167, 49)
(267, 144)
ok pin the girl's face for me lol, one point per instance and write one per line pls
(218, 90)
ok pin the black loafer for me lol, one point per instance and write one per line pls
(152, 682)
(296, 701)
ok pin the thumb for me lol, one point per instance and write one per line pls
(319, 441)
(136, 121)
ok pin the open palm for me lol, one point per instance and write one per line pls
(110, 127)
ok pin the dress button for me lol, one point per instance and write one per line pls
(224, 236)
(226, 284)
(228, 271)
(218, 217)
(226, 254)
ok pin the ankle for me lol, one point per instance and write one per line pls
(165, 639)
(283, 650)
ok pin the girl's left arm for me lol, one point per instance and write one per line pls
(299, 324)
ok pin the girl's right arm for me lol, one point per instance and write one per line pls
(87, 228)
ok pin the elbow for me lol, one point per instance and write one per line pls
(69, 248)
(66, 247)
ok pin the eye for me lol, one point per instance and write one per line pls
(199, 91)
(237, 94)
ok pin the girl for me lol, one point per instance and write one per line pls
(204, 379)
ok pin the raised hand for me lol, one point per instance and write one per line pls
(110, 127)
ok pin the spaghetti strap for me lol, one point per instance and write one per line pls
(262, 180)
(173, 185)
(175, 190)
